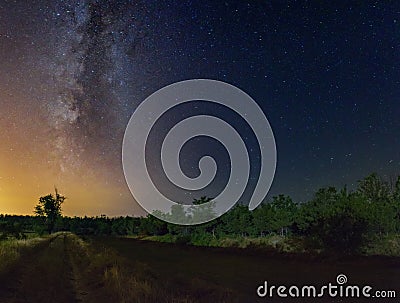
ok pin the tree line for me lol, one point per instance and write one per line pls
(334, 219)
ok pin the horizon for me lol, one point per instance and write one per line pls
(391, 181)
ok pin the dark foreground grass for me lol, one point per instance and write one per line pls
(11, 250)
(240, 271)
(41, 274)
(125, 279)
(65, 268)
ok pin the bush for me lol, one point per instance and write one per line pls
(386, 245)
(341, 225)
(202, 239)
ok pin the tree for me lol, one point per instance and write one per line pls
(11, 229)
(381, 200)
(203, 209)
(335, 221)
(283, 213)
(262, 218)
(151, 225)
(238, 221)
(373, 188)
(49, 207)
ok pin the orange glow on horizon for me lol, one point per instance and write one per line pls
(30, 169)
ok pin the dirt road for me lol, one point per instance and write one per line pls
(45, 274)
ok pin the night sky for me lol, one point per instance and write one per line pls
(327, 76)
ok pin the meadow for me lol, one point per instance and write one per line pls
(66, 268)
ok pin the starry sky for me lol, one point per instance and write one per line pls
(327, 76)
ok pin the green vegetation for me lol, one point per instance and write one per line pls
(338, 221)
(95, 259)
(334, 220)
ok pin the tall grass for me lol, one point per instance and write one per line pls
(274, 242)
(11, 249)
(127, 280)
(383, 245)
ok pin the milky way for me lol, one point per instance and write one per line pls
(72, 73)
(93, 70)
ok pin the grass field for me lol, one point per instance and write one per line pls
(65, 268)
(10, 250)
(240, 271)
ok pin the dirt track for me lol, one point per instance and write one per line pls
(42, 275)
